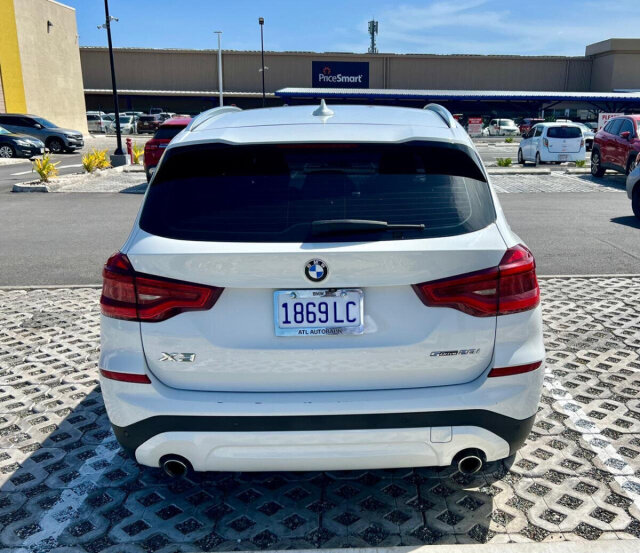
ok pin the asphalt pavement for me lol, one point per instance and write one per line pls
(65, 238)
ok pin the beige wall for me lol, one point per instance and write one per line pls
(616, 64)
(51, 68)
(141, 69)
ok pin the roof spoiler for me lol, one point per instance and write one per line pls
(444, 114)
(210, 114)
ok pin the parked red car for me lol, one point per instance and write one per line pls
(527, 123)
(616, 146)
(153, 148)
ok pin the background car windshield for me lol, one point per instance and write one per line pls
(147, 118)
(506, 122)
(46, 124)
(125, 119)
(272, 193)
(564, 132)
(4, 131)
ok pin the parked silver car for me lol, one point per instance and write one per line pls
(97, 122)
(127, 125)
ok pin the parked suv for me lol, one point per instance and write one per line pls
(54, 137)
(148, 123)
(154, 148)
(616, 146)
(309, 289)
(503, 127)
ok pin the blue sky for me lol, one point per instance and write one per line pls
(542, 27)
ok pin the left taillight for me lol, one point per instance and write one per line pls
(133, 296)
(511, 287)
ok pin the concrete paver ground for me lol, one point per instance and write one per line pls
(64, 481)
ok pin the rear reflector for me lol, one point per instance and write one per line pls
(511, 287)
(126, 377)
(133, 296)
(510, 371)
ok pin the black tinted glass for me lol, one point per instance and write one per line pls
(614, 126)
(564, 132)
(272, 193)
(147, 118)
(168, 132)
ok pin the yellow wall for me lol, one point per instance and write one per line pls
(10, 65)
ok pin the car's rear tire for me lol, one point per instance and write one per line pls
(520, 157)
(55, 145)
(538, 160)
(596, 167)
(7, 151)
(635, 201)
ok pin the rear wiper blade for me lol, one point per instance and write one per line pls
(333, 226)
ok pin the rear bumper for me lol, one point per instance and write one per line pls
(546, 155)
(324, 430)
(332, 442)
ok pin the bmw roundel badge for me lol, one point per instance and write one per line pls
(316, 270)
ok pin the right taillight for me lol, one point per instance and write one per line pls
(133, 296)
(511, 287)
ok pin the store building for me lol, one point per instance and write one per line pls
(187, 80)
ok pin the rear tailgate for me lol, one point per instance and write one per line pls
(241, 222)
(565, 139)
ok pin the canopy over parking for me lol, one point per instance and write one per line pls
(469, 101)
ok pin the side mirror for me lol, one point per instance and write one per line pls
(38, 126)
(625, 135)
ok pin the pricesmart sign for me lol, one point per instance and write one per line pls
(340, 74)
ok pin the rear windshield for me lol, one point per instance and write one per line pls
(564, 132)
(168, 132)
(147, 118)
(273, 193)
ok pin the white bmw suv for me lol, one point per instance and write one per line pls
(311, 289)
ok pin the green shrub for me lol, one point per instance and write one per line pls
(97, 159)
(138, 152)
(508, 140)
(580, 163)
(503, 161)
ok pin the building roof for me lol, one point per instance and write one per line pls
(206, 93)
(507, 95)
(348, 123)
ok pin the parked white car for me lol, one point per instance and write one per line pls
(503, 127)
(552, 143)
(588, 134)
(127, 125)
(348, 304)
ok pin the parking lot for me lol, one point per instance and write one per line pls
(66, 483)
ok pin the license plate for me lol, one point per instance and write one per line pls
(318, 312)
(563, 157)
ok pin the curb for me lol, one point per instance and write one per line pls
(22, 187)
(517, 171)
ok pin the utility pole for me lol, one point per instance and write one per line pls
(219, 33)
(261, 22)
(107, 26)
(373, 31)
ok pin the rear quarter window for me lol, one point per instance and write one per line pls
(168, 132)
(273, 193)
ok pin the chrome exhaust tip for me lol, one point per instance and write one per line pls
(470, 461)
(174, 466)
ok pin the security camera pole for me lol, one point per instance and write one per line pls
(107, 26)
(261, 21)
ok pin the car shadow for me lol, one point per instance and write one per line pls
(78, 487)
(136, 189)
(615, 181)
(627, 220)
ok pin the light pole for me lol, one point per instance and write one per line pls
(261, 22)
(107, 26)
(219, 33)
